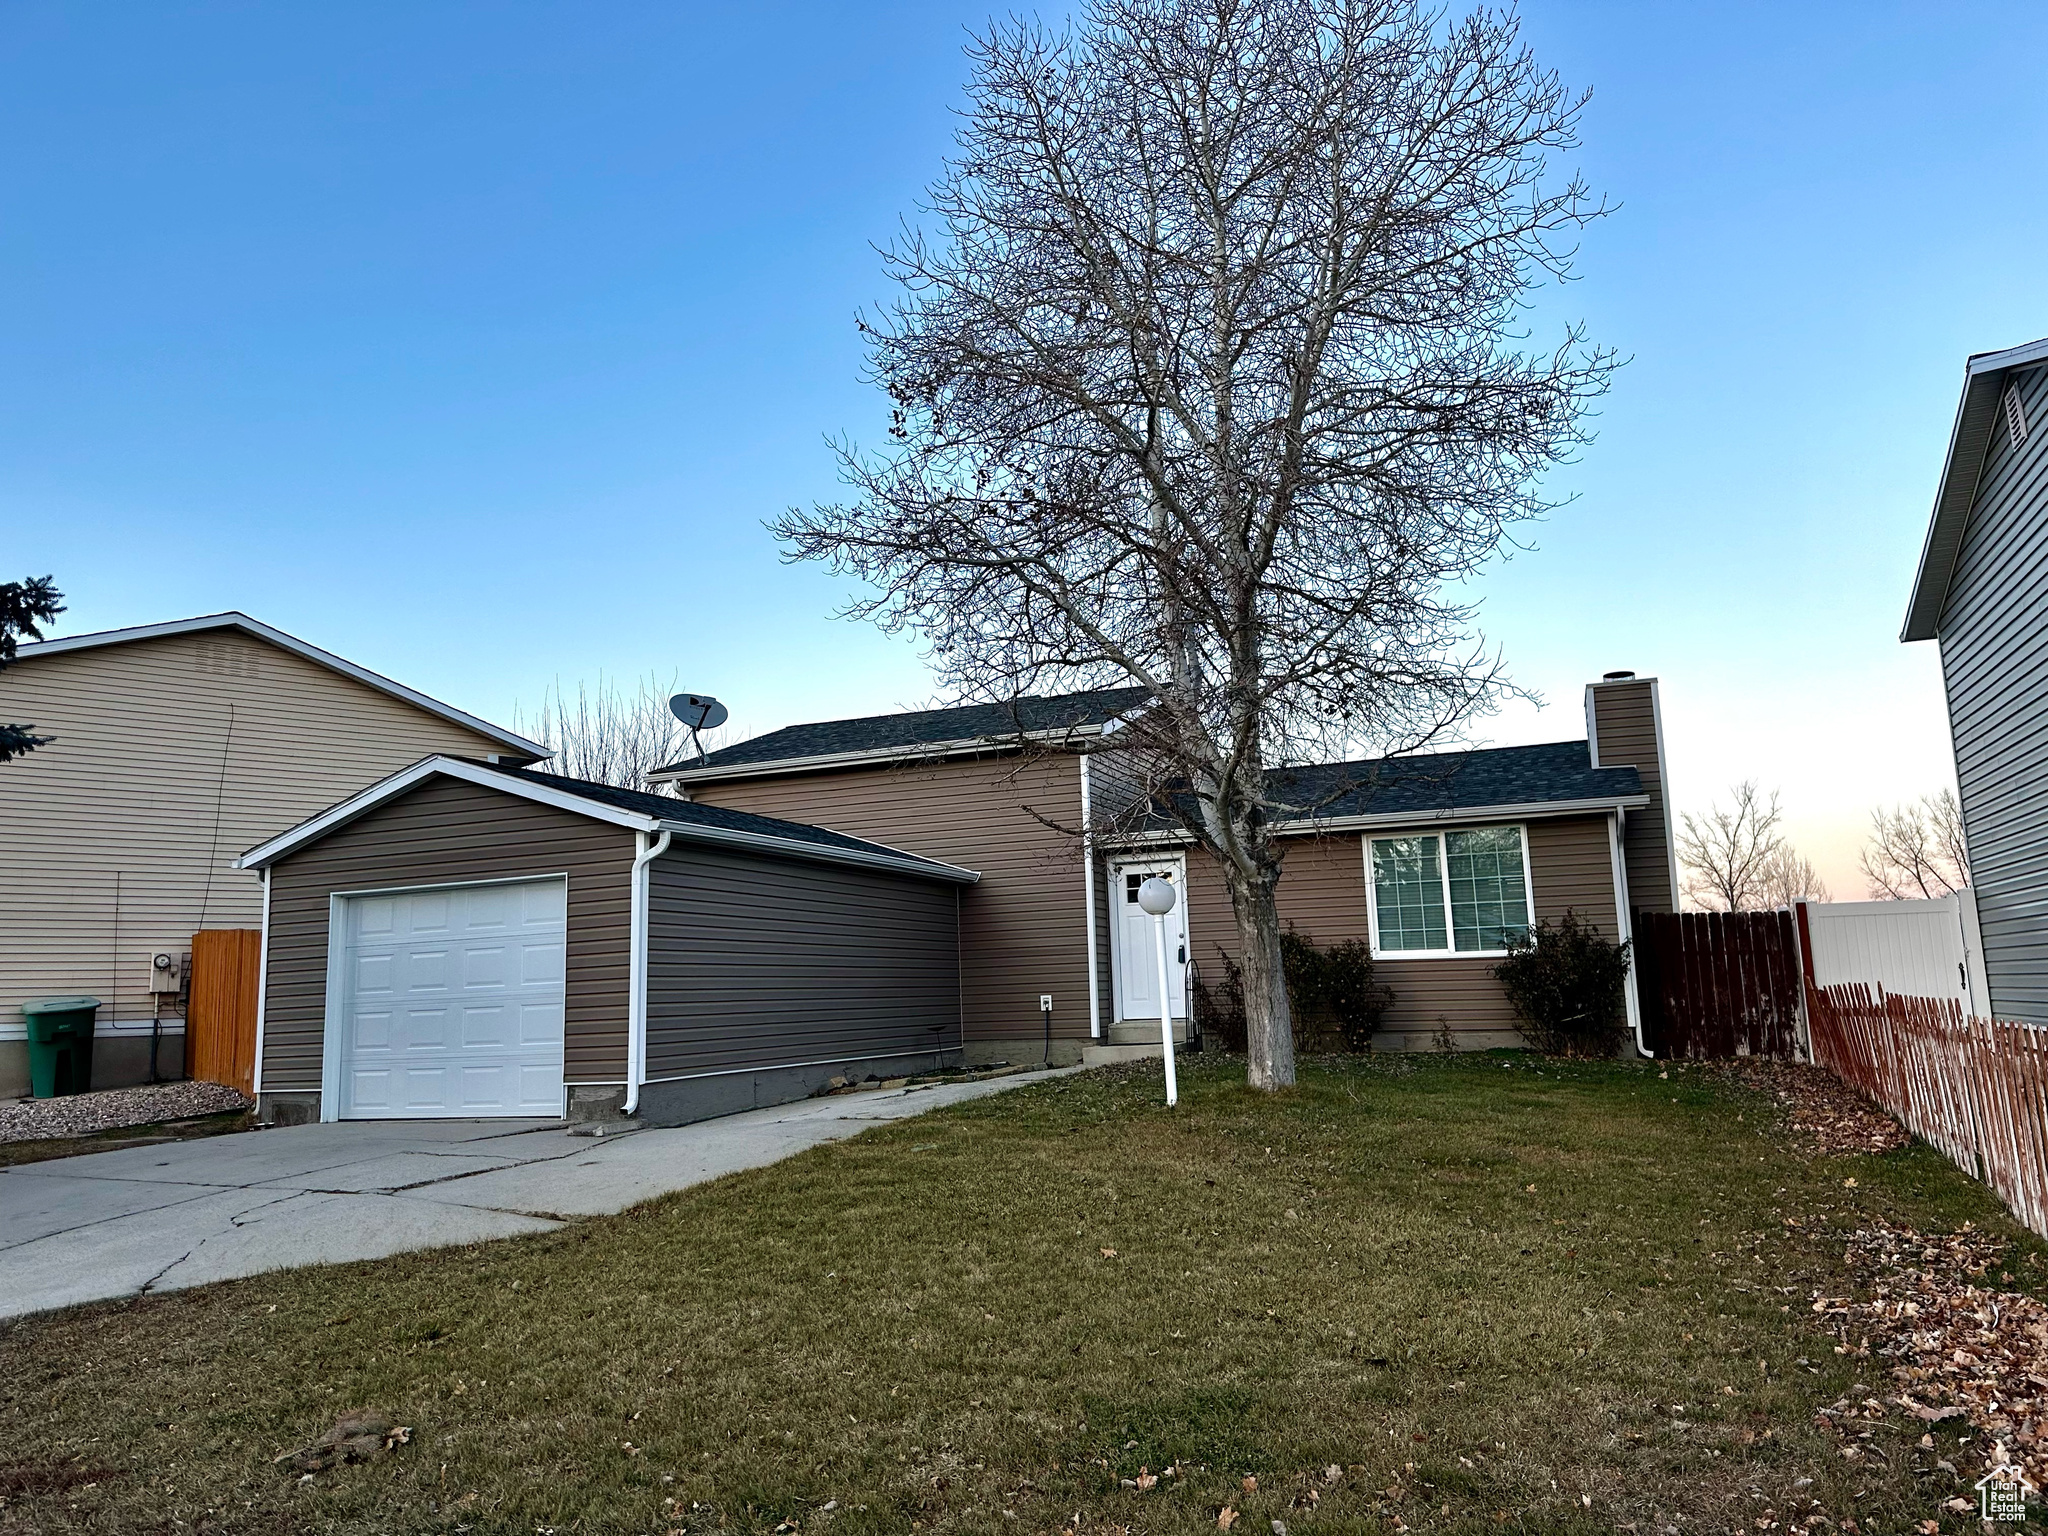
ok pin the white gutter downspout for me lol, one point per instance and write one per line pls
(262, 988)
(636, 986)
(1088, 876)
(1625, 923)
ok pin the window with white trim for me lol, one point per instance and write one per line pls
(1448, 893)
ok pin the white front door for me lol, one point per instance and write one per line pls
(1137, 943)
(451, 1001)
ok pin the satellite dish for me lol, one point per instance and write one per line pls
(699, 711)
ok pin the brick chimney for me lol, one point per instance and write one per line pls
(1624, 729)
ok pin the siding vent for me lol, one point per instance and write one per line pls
(2015, 416)
(218, 659)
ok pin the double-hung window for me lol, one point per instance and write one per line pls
(1448, 893)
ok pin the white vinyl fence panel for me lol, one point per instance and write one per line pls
(1908, 948)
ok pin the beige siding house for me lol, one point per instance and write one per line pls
(176, 747)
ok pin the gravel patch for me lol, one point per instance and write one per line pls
(82, 1114)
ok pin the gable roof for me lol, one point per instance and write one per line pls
(626, 808)
(1969, 439)
(515, 744)
(913, 733)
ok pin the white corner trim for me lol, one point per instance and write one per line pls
(452, 767)
(1088, 882)
(298, 647)
(331, 1014)
(1625, 926)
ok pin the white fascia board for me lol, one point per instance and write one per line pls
(297, 647)
(879, 858)
(450, 767)
(925, 751)
(1312, 826)
(1961, 468)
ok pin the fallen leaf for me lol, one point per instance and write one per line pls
(1225, 1518)
(1146, 1481)
(1109, 1253)
(1251, 1484)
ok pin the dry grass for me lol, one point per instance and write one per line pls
(1496, 1294)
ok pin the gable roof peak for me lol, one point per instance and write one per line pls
(234, 619)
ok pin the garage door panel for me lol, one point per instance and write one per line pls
(454, 1002)
(541, 965)
(486, 965)
(540, 1022)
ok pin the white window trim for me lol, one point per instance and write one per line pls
(1443, 870)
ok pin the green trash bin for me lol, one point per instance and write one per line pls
(60, 1044)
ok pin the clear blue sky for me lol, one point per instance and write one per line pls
(475, 342)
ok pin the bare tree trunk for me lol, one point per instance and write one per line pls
(1268, 1022)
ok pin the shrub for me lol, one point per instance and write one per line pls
(1335, 1001)
(1564, 980)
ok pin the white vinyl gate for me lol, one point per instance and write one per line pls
(1907, 948)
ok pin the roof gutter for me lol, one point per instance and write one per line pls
(902, 863)
(968, 746)
(1312, 826)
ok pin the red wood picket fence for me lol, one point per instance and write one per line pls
(1975, 1088)
(1718, 984)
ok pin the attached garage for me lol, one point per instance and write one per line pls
(465, 940)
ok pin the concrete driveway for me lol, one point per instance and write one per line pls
(158, 1218)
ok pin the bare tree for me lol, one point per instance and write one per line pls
(1917, 850)
(1729, 856)
(1789, 876)
(610, 736)
(1211, 381)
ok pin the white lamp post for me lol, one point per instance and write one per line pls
(1157, 897)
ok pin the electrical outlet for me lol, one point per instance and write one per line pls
(1045, 1002)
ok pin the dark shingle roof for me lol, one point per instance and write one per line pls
(924, 727)
(712, 817)
(1451, 781)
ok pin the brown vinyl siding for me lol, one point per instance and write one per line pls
(1322, 893)
(171, 757)
(1022, 929)
(1624, 724)
(442, 832)
(762, 962)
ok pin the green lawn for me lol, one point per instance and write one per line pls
(1480, 1288)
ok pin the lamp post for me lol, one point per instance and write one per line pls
(1157, 896)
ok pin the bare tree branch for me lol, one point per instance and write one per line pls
(1211, 377)
(1917, 851)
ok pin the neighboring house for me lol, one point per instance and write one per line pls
(465, 939)
(175, 746)
(1431, 859)
(1982, 592)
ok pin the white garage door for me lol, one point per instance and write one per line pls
(451, 1002)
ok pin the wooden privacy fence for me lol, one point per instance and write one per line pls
(1718, 984)
(220, 1015)
(1975, 1088)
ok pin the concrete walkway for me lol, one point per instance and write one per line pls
(158, 1218)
